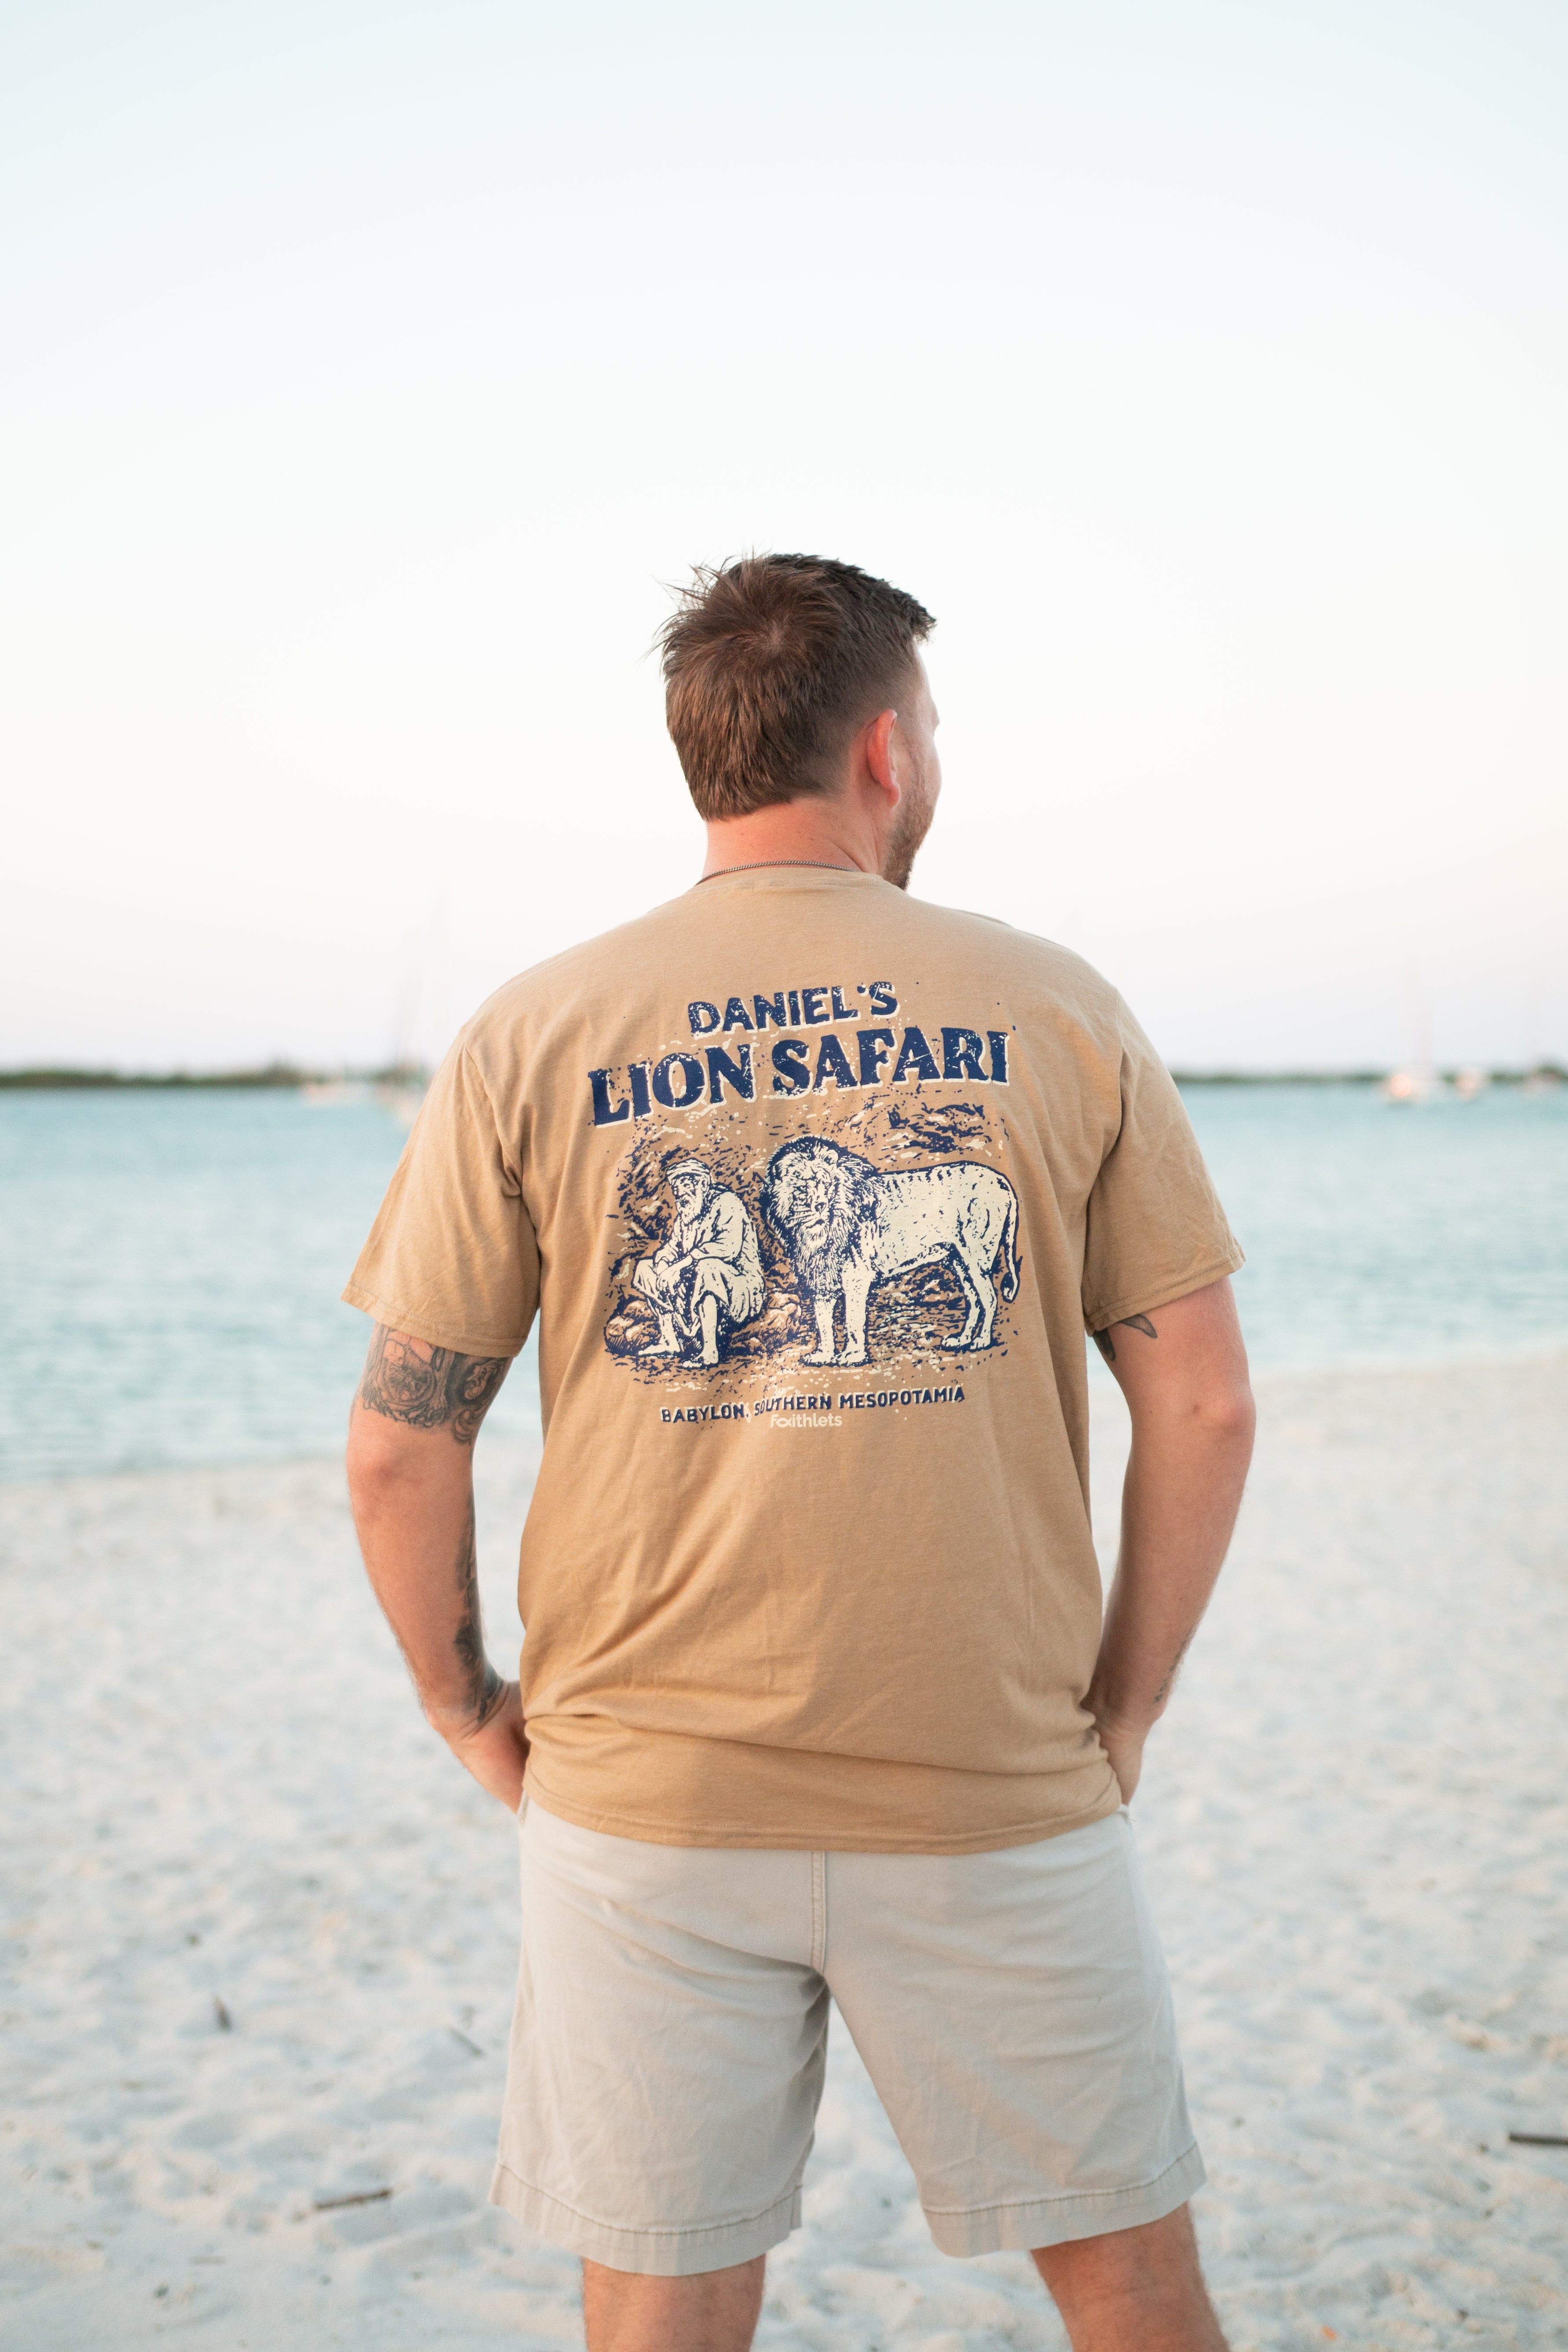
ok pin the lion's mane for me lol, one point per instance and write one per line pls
(819, 1264)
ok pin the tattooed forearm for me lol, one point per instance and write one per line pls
(429, 1388)
(485, 1690)
(1129, 1323)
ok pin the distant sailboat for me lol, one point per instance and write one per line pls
(1541, 1075)
(400, 1095)
(402, 1086)
(1420, 1082)
(330, 1094)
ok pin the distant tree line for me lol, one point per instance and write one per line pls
(274, 1074)
(402, 1074)
(1349, 1078)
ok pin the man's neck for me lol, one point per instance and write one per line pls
(806, 833)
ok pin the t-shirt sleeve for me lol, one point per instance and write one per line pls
(1155, 1227)
(452, 1256)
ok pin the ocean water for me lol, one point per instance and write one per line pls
(1382, 1233)
(169, 1266)
(170, 1263)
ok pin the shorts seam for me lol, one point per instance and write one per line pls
(652, 2229)
(1067, 2195)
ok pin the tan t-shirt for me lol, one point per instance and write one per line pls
(881, 1163)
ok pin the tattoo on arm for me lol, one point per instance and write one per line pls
(1131, 1323)
(486, 1690)
(429, 1388)
(1164, 1690)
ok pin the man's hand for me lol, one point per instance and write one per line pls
(1123, 1746)
(494, 1746)
(1183, 1369)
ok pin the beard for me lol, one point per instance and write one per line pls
(912, 823)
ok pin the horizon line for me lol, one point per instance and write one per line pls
(75, 1078)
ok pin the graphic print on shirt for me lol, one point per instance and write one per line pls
(706, 1276)
(769, 1246)
(847, 1226)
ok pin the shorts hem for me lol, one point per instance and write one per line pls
(1058, 2220)
(652, 2252)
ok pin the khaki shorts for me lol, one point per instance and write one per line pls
(671, 2033)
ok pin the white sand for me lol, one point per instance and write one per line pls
(218, 1789)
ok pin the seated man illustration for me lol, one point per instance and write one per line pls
(707, 1273)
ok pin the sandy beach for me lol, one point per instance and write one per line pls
(260, 1931)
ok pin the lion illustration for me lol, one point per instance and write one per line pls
(847, 1226)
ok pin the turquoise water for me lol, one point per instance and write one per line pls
(170, 1267)
(170, 1264)
(1383, 1234)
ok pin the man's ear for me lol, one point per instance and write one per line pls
(880, 757)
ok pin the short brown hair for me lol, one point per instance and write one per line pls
(770, 664)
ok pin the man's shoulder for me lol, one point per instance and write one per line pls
(931, 942)
(568, 980)
(1025, 957)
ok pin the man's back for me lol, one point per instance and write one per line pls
(868, 1516)
(813, 1189)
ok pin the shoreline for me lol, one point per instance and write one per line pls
(513, 1442)
(63, 1078)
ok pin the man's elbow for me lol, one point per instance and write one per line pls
(1228, 1416)
(1215, 1415)
(383, 1456)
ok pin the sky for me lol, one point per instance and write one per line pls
(372, 371)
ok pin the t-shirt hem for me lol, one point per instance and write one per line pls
(420, 1327)
(1164, 1294)
(814, 1836)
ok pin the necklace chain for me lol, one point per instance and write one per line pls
(756, 864)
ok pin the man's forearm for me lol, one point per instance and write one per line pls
(411, 1438)
(417, 1532)
(1179, 1503)
(411, 1481)
(1183, 1371)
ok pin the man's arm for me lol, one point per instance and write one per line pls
(411, 1462)
(1183, 1371)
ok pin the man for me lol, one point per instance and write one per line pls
(817, 1700)
(707, 1273)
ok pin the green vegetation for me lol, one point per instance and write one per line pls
(402, 1074)
(275, 1074)
(1349, 1078)
(1278, 1077)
